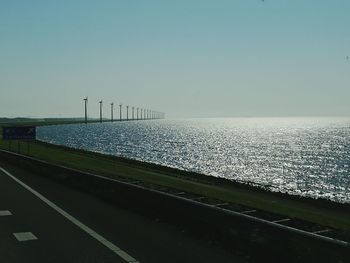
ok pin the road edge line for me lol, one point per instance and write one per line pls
(75, 221)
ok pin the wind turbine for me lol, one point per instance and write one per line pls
(86, 102)
(100, 110)
(137, 113)
(120, 111)
(112, 104)
(133, 110)
(127, 113)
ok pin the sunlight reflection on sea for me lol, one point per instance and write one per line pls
(301, 156)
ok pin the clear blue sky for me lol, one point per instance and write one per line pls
(189, 58)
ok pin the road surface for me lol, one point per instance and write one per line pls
(44, 221)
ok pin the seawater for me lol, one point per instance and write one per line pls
(301, 156)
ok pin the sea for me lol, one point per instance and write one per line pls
(300, 156)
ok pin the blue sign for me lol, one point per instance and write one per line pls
(19, 133)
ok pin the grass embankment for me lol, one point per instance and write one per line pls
(318, 211)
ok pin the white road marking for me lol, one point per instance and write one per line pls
(5, 213)
(321, 231)
(75, 221)
(25, 236)
(221, 204)
(248, 211)
(199, 198)
(281, 220)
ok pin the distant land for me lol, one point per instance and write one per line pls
(24, 119)
(41, 121)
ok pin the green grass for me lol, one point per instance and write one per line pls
(321, 212)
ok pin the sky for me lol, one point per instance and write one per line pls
(187, 58)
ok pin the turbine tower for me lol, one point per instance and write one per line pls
(120, 111)
(127, 113)
(112, 104)
(137, 113)
(86, 102)
(100, 110)
(133, 111)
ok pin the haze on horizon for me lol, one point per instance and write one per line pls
(186, 58)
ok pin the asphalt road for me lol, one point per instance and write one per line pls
(66, 225)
